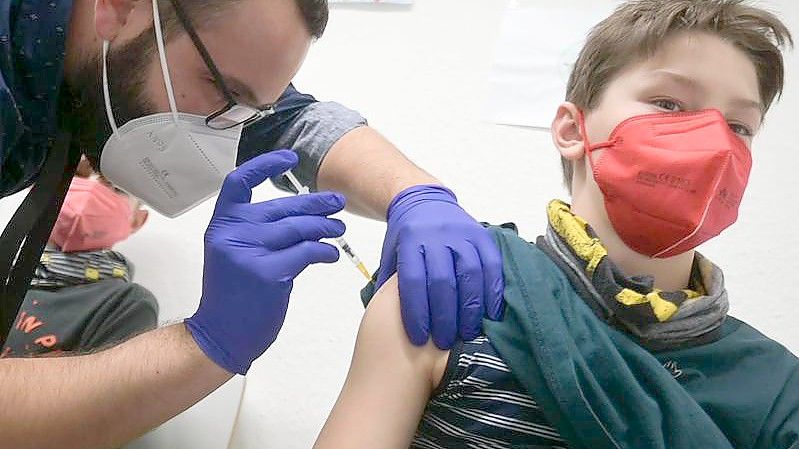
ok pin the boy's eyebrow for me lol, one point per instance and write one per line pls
(677, 77)
(743, 103)
(740, 103)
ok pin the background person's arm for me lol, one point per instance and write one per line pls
(106, 399)
(388, 385)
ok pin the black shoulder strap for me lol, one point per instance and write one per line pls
(26, 235)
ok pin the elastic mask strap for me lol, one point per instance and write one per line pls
(107, 92)
(587, 143)
(589, 149)
(159, 39)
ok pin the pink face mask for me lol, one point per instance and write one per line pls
(93, 217)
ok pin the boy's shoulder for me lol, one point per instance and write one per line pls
(739, 346)
(747, 382)
(513, 246)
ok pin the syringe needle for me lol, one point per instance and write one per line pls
(353, 257)
(342, 243)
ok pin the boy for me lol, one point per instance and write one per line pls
(616, 333)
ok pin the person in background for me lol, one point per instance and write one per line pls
(82, 296)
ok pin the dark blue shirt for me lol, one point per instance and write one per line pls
(32, 44)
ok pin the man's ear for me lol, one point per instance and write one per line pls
(567, 133)
(140, 217)
(84, 169)
(110, 16)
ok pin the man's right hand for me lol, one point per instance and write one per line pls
(253, 252)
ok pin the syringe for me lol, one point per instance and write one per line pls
(339, 240)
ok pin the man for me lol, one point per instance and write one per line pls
(82, 296)
(215, 62)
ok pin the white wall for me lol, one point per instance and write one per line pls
(420, 75)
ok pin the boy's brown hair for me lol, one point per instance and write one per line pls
(638, 27)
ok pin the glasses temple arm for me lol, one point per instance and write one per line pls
(198, 43)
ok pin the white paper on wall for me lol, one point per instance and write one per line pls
(535, 53)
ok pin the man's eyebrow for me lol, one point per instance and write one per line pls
(242, 90)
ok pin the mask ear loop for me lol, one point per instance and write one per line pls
(587, 143)
(159, 39)
(589, 149)
(106, 91)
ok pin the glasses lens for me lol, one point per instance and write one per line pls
(234, 116)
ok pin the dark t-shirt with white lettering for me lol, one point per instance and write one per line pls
(81, 318)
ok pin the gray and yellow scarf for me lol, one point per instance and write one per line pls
(660, 319)
(58, 269)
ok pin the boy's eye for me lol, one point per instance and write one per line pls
(741, 130)
(668, 105)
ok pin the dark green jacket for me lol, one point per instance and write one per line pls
(602, 390)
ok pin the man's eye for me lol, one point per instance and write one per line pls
(741, 130)
(668, 105)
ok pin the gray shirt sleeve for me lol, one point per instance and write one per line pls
(315, 130)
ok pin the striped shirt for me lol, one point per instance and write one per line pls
(480, 405)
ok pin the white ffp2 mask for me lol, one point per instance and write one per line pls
(171, 161)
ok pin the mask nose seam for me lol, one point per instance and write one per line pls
(708, 202)
(204, 155)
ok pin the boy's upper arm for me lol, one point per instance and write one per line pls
(389, 383)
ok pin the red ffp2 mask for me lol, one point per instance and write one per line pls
(671, 181)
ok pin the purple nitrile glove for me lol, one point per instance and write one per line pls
(253, 252)
(448, 265)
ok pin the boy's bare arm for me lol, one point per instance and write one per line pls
(104, 399)
(389, 382)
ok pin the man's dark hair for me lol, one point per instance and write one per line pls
(314, 13)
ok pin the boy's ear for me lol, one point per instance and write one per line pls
(566, 132)
(110, 16)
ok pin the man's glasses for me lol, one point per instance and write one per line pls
(234, 113)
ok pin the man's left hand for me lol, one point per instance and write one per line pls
(448, 265)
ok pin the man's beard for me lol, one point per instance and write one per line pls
(128, 66)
